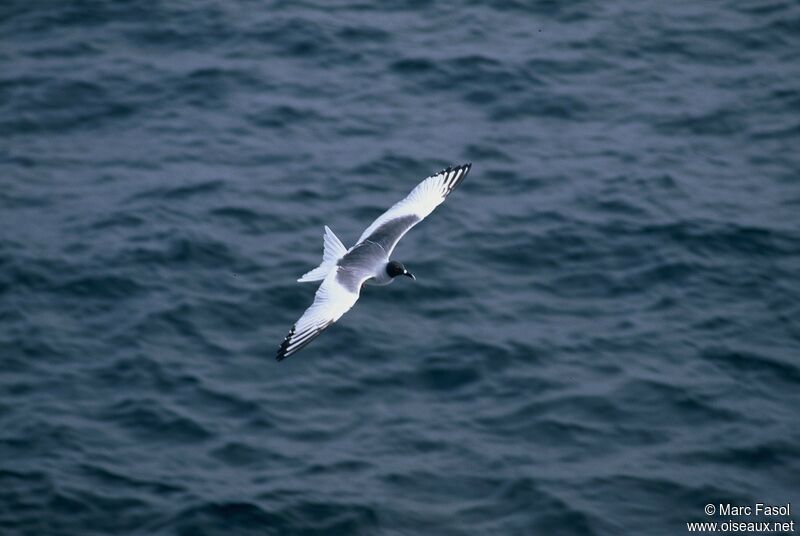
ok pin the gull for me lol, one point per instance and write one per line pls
(344, 272)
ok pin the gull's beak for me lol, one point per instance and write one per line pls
(409, 274)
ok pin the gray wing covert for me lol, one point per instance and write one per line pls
(359, 264)
(390, 232)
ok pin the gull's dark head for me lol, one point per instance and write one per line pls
(395, 268)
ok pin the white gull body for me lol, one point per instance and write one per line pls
(344, 271)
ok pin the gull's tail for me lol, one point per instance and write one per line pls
(334, 250)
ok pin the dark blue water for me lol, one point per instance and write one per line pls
(604, 335)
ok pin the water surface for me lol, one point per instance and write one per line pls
(603, 336)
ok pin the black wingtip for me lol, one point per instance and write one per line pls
(284, 345)
(450, 168)
(461, 172)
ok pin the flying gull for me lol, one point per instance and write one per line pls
(344, 272)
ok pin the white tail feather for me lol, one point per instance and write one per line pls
(333, 247)
(332, 252)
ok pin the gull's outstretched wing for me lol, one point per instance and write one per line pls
(333, 299)
(390, 226)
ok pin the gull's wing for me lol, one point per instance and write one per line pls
(390, 226)
(333, 299)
